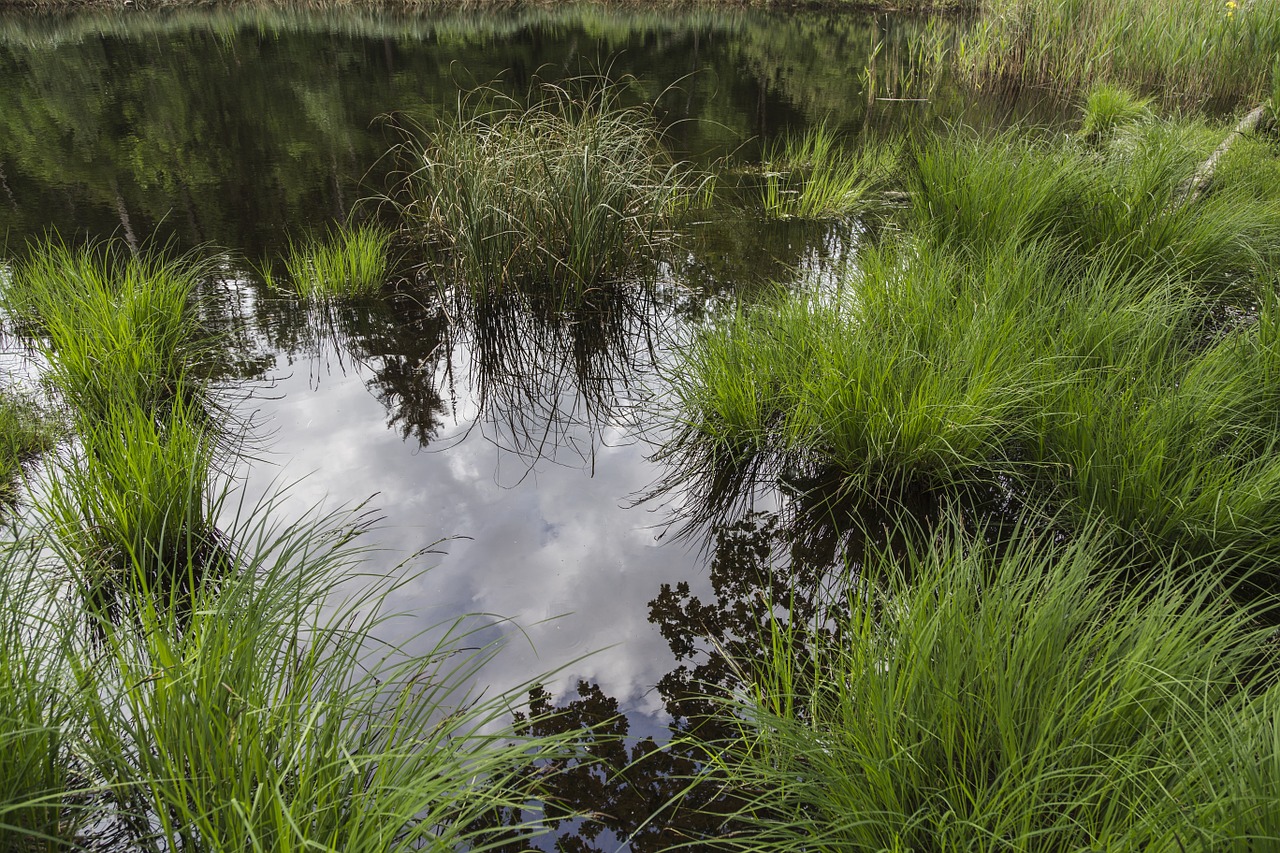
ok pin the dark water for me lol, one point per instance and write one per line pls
(514, 441)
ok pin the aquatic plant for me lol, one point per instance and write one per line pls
(42, 788)
(112, 326)
(349, 262)
(565, 194)
(1192, 52)
(269, 717)
(134, 500)
(816, 175)
(26, 430)
(1109, 107)
(1025, 697)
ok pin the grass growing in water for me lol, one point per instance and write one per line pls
(1110, 107)
(114, 327)
(566, 194)
(816, 175)
(1055, 324)
(349, 262)
(25, 430)
(1020, 699)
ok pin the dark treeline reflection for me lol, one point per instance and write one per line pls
(234, 127)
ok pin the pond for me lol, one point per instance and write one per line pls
(515, 448)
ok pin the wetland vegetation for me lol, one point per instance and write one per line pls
(1019, 428)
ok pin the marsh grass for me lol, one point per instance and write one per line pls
(1027, 697)
(113, 327)
(348, 262)
(819, 175)
(27, 429)
(1110, 107)
(1055, 327)
(133, 501)
(1125, 200)
(567, 193)
(1193, 52)
(42, 791)
(269, 717)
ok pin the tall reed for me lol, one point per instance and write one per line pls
(1191, 52)
(567, 193)
(1013, 699)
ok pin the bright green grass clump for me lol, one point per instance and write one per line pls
(135, 494)
(1019, 699)
(114, 327)
(1056, 326)
(1110, 107)
(350, 262)
(1196, 51)
(566, 194)
(1125, 199)
(816, 175)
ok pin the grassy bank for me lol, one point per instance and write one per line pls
(1052, 321)
(1191, 52)
(1030, 698)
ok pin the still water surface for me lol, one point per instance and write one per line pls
(515, 444)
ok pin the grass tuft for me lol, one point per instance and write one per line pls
(568, 193)
(1020, 698)
(816, 175)
(350, 262)
(1109, 108)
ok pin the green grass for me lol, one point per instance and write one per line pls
(1011, 699)
(349, 262)
(134, 501)
(1054, 323)
(114, 327)
(269, 717)
(26, 430)
(1190, 52)
(1110, 107)
(42, 791)
(569, 193)
(818, 175)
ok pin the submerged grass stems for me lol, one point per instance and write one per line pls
(270, 718)
(26, 430)
(816, 175)
(566, 194)
(1193, 51)
(349, 262)
(1011, 699)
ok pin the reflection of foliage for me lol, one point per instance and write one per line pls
(233, 125)
(762, 577)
